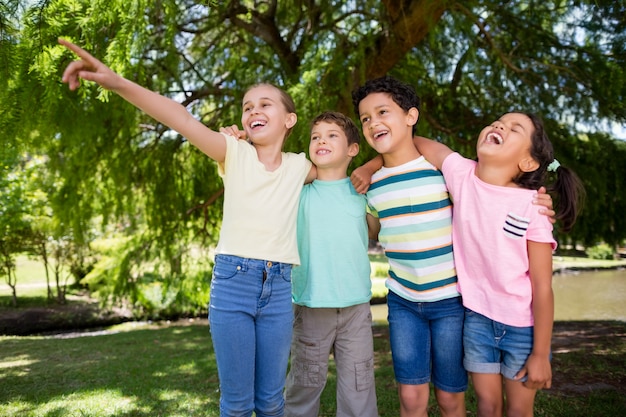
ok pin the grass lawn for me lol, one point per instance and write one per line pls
(153, 371)
(30, 271)
(156, 370)
(570, 262)
(146, 372)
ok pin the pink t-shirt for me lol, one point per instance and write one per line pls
(490, 229)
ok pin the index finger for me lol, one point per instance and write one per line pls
(84, 55)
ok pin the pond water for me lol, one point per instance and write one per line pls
(590, 295)
(578, 295)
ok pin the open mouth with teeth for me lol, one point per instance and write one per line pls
(380, 134)
(494, 138)
(257, 123)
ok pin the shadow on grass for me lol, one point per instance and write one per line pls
(164, 372)
(590, 357)
(171, 371)
(589, 373)
(6, 301)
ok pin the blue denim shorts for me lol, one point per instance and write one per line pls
(427, 342)
(495, 348)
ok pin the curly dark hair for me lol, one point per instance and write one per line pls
(401, 93)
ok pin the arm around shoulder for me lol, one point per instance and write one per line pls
(435, 152)
(361, 177)
(312, 175)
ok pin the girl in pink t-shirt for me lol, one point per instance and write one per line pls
(503, 253)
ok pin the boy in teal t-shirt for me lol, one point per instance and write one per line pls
(331, 288)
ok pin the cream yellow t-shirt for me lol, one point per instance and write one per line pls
(260, 207)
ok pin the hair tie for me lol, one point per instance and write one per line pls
(554, 165)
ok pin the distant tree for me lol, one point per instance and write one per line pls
(470, 61)
(14, 227)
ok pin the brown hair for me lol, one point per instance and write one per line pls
(567, 186)
(341, 120)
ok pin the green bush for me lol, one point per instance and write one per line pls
(601, 251)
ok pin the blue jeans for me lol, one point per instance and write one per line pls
(427, 340)
(251, 319)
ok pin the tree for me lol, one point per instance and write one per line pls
(14, 227)
(470, 61)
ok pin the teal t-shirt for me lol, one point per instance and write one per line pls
(334, 269)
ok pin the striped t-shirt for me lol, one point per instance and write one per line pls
(415, 212)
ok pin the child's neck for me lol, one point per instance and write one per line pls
(405, 152)
(269, 155)
(501, 176)
(331, 174)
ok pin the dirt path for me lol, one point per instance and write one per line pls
(588, 356)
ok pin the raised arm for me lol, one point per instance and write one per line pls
(162, 109)
(433, 151)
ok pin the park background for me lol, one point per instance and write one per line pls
(123, 213)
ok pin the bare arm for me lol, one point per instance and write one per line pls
(162, 109)
(311, 175)
(361, 177)
(373, 226)
(537, 365)
(435, 152)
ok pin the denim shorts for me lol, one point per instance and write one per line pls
(427, 342)
(495, 348)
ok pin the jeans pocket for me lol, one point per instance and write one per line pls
(225, 270)
(286, 272)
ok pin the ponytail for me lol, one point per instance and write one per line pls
(569, 194)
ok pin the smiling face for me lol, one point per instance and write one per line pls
(386, 126)
(265, 117)
(507, 143)
(329, 146)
